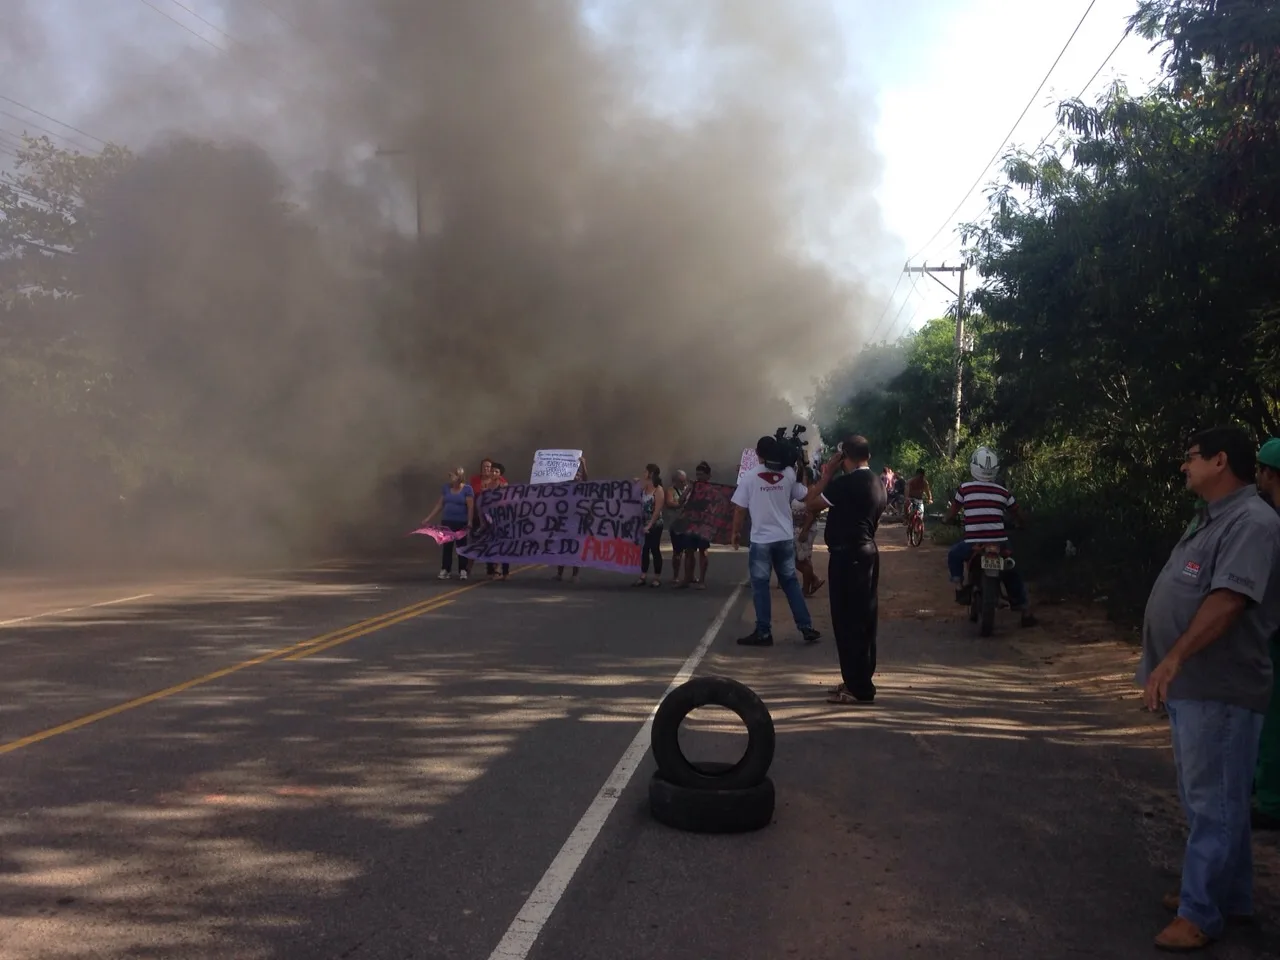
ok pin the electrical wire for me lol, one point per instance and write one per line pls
(194, 33)
(883, 313)
(46, 116)
(36, 126)
(211, 26)
(1008, 136)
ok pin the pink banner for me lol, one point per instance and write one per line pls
(441, 535)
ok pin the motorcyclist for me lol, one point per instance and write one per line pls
(985, 503)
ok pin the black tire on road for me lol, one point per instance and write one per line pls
(732, 695)
(915, 535)
(990, 599)
(711, 811)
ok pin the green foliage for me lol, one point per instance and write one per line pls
(1127, 299)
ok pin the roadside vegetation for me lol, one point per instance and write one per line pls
(1128, 296)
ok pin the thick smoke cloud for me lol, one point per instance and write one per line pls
(620, 212)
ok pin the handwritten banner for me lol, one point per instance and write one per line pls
(555, 466)
(750, 460)
(441, 535)
(593, 523)
(708, 513)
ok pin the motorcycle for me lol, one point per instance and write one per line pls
(985, 579)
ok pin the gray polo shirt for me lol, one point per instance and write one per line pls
(1233, 544)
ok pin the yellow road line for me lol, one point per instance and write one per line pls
(383, 619)
(332, 638)
(301, 654)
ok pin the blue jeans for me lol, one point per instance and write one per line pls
(1215, 748)
(763, 559)
(958, 556)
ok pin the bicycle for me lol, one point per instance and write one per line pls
(915, 522)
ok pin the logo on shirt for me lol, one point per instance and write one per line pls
(1243, 581)
(769, 477)
(1192, 569)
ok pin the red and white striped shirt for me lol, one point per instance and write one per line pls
(984, 505)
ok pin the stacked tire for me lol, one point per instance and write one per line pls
(705, 797)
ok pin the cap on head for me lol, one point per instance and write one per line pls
(1269, 454)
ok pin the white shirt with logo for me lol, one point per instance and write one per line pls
(767, 494)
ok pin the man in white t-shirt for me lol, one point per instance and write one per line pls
(766, 492)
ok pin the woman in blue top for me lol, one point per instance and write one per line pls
(457, 501)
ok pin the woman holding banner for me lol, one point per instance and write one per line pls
(653, 498)
(457, 506)
(579, 477)
(497, 478)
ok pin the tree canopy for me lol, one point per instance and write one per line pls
(1128, 293)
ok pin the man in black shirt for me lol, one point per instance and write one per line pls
(856, 499)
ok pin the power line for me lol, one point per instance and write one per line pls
(893, 327)
(905, 300)
(212, 26)
(29, 123)
(885, 311)
(197, 35)
(1085, 89)
(46, 116)
(996, 155)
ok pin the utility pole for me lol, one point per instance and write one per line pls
(929, 271)
(417, 180)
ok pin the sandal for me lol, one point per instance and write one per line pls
(816, 587)
(640, 583)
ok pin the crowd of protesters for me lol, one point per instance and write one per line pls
(662, 506)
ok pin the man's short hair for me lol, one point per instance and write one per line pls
(920, 472)
(703, 467)
(856, 447)
(1235, 442)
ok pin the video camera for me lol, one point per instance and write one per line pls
(791, 449)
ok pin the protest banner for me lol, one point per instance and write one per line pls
(555, 466)
(440, 535)
(708, 513)
(594, 523)
(750, 460)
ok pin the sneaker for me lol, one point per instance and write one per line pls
(756, 639)
(443, 575)
(462, 575)
(810, 635)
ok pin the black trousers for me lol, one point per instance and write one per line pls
(652, 548)
(853, 581)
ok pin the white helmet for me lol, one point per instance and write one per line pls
(984, 464)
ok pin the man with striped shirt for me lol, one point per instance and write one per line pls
(985, 503)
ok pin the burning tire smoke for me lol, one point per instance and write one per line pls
(619, 210)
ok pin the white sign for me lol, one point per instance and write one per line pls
(555, 466)
(748, 463)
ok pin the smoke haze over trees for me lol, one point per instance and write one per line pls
(224, 339)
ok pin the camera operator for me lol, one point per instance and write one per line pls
(766, 493)
(856, 500)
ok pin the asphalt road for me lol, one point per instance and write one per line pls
(229, 768)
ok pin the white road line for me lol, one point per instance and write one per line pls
(525, 928)
(54, 613)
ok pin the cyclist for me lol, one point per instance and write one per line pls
(918, 490)
(984, 502)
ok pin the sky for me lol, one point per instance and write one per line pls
(946, 80)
